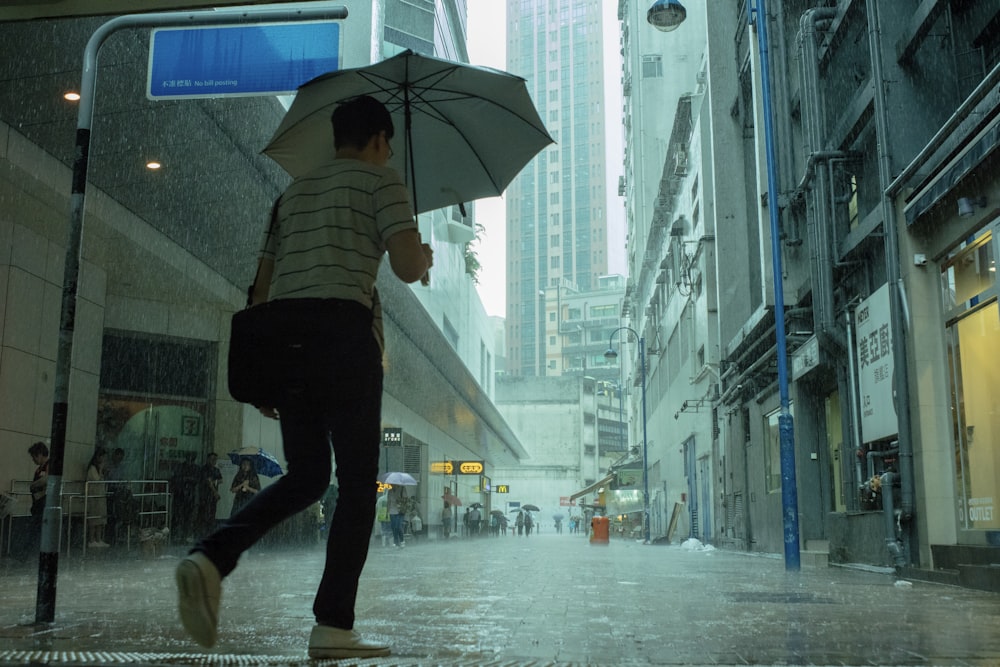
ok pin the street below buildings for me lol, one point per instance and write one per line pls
(547, 599)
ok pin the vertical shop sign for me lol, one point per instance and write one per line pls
(876, 367)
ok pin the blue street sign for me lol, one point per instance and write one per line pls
(240, 60)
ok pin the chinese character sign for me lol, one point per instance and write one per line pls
(875, 367)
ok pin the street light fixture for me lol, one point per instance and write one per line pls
(611, 354)
(666, 15)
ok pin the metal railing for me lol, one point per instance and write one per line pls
(140, 504)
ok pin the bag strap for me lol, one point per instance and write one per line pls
(270, 228)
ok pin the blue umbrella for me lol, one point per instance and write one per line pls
(264, 463)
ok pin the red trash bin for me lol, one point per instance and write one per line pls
(599, 526)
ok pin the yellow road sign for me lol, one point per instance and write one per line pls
(442, 467)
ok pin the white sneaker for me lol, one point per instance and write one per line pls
(329, 642)
(199, 589)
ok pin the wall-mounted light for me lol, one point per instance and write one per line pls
(666, 15)
(967, 205)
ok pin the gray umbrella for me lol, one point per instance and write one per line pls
(466, 131)
(397, 479)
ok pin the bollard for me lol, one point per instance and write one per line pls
(599, 526)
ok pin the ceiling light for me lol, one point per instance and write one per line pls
(72, 96)
(153, 164)
(666, 15)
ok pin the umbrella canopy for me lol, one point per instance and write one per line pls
(264, 463)
(496, 512)
(531, 508)
(477, 505)
(397, 479)
(465, 132)
(452, 500)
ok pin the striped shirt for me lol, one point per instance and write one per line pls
(330, 233)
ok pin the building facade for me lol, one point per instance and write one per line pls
(883, 145)
(557, 231)
(557, 420)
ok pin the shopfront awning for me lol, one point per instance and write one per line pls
(593, 487)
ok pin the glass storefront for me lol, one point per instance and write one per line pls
(973, 338)
(154, 401)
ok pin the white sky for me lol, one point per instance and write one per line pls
(487, 46)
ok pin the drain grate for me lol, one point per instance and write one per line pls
(131, 658)
(111, 658)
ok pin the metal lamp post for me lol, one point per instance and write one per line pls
(786, 433)
(612, 354)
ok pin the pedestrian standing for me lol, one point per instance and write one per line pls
(119, 495)
(397, 514)
(330, 230)
(446, 520)
(39, 454)
(208, 496)
(246, 485)
(184, 485)
(475, 518)
(96, 500)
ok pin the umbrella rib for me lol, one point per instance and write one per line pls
(428, 108)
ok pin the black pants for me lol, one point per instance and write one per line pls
(345, 412)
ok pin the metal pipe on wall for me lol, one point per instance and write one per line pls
(819, 227)
(891, 244)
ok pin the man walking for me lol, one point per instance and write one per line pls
(329, 232)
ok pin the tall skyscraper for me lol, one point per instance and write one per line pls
(557, 231)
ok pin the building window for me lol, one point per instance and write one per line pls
(450, 332)
(554, 262)
(652, 67)
(972, 335)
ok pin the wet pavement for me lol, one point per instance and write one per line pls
(543, 600)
